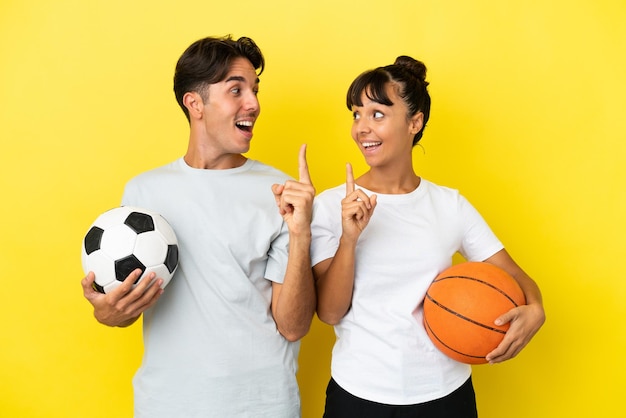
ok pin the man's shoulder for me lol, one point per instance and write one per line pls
(156, 178)
(166, 169)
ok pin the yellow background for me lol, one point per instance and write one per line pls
(528, 120)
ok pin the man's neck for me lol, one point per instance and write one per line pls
(220, 162)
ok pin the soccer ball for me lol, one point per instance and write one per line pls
(127, 238)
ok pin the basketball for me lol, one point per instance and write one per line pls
(461, 306)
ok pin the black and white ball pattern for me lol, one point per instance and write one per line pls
(127, 238)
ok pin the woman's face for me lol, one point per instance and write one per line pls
(384, 134)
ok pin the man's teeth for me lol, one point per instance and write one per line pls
(370, 144)
(244, 123)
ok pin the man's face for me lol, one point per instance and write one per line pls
(232, 107)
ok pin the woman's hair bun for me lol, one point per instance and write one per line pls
(413, 66)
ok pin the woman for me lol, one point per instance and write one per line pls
(378, 242)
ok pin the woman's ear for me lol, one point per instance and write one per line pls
(417, 123)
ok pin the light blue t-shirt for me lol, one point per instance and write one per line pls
(212, 348)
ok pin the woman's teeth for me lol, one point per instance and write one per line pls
(370, 144)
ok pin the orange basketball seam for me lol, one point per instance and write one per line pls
(482, 282)
(445, 308)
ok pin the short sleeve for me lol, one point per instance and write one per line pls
(479, 242)
(325, 227)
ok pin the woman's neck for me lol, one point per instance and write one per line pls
(382, 182)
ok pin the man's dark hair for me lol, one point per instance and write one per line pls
(208, 60)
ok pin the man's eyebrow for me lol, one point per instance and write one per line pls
(239, 78)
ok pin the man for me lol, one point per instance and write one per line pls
(222, 339)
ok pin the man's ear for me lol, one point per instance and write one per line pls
(417, 123)
(194, 104)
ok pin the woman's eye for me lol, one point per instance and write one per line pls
(355, 116)
(235, 90)
(378, 115)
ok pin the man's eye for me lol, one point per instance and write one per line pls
(235, 90)
(355, 116)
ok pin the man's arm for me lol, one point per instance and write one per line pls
(293, 301)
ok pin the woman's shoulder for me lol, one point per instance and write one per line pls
(333, 192)
(330, 198)
(440, 190)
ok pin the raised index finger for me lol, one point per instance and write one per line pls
(349, 179)
(303, 167)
